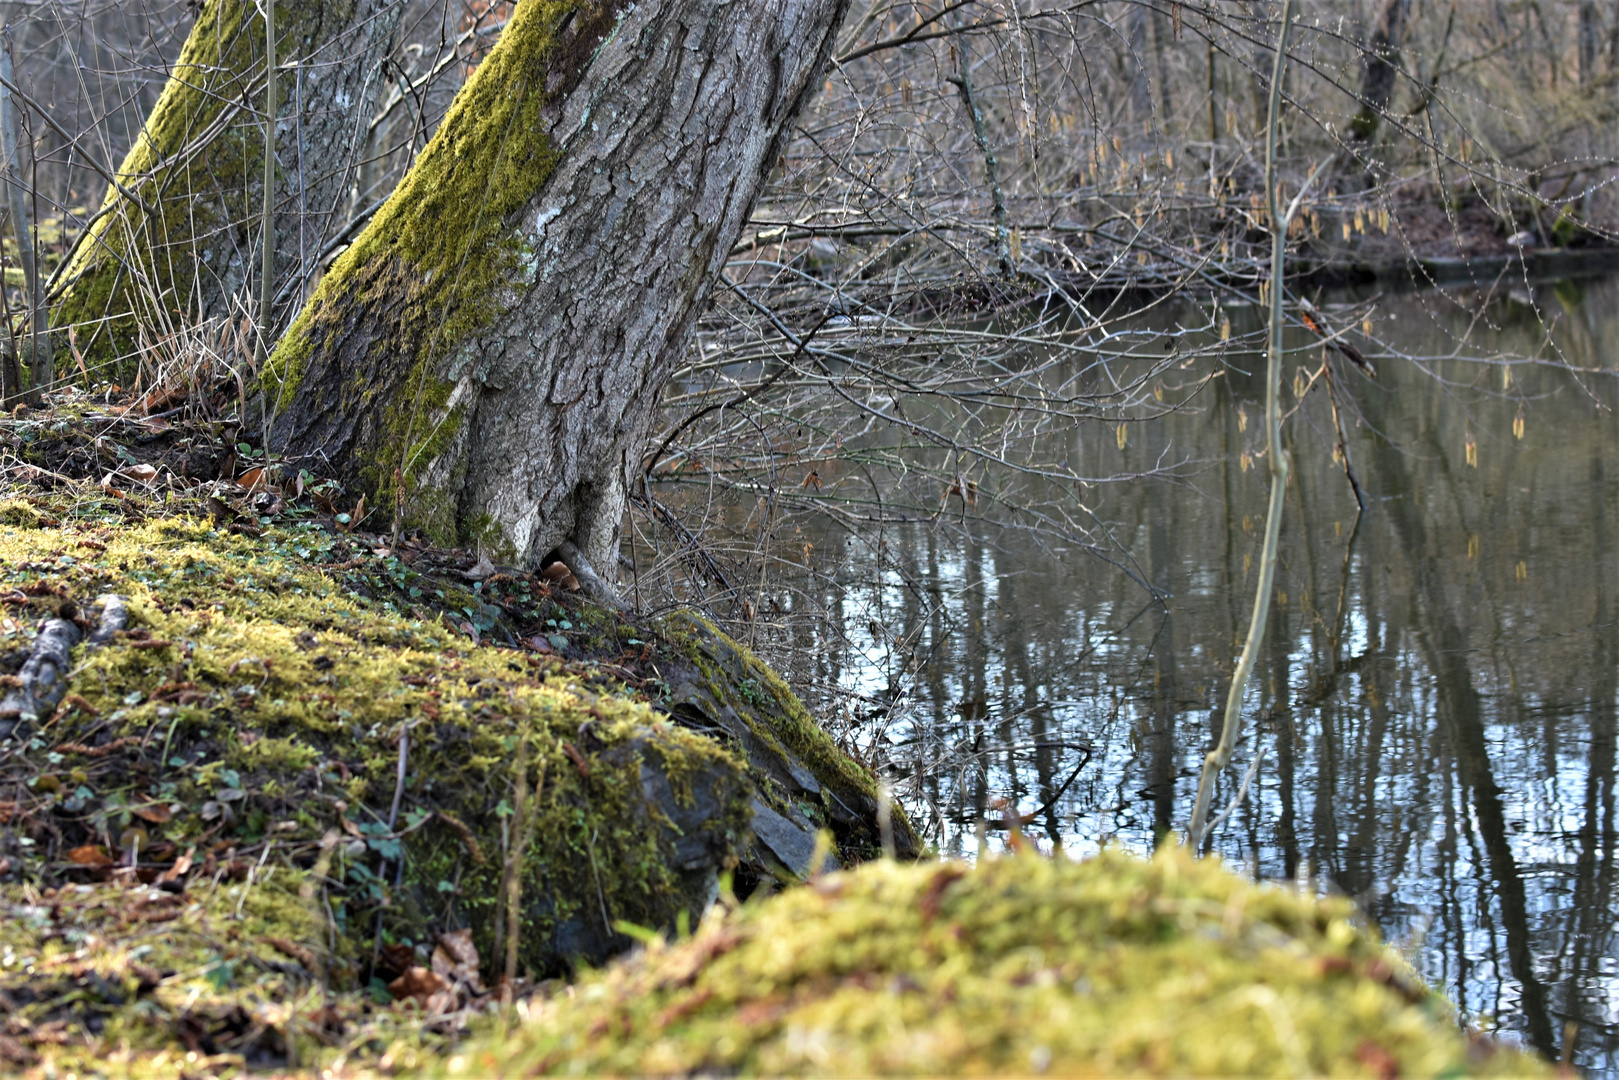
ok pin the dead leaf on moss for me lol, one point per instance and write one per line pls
(933, 893)
(255, 479)
(455, 958)
(394, 960)
(156, 813)
(181, 867)
(1378, 1061)
(90, 855)
(419, 985)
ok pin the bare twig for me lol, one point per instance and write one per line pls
(1275, 456)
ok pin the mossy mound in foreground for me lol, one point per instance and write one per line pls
(292, 704)
(1025, 965)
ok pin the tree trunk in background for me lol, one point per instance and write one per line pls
(1381, 58)
(486, 358)
(1162, 30)
(198, 168)
(1140, 79)
(1590, 34)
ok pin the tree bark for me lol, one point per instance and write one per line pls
(175, 240)
(1381, 57)
(486, 358)
(1590, 34)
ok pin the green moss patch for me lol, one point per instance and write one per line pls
(247, 727)
(1023, 966)
(144, 981)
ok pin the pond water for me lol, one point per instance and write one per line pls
(1438, 701)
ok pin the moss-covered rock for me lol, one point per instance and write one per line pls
(254, 702)
(1026, 965)
(296, 700)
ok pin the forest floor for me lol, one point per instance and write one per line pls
(323, 802)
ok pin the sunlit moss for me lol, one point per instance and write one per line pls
(255, 690)
(1113, 966)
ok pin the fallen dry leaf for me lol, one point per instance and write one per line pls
(181, 867)
(419, 985)
(394, 960)
(90, 855)
(456, 958)
(156, 813)
(259, 479)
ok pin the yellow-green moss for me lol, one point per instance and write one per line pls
(191, 192)
(256, 684)
(74, 962)
(442, 252)
(1023, 966)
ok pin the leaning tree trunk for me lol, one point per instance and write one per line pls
(174, 241)
(485, 359)
(1381, 57)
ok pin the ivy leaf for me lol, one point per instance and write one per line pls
(387, 846)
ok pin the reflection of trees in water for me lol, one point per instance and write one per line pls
(1418, 700)
(1460, 711)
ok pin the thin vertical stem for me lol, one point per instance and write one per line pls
(992, 173)
(39, 365)
(512, 877)
(1214, 128)
(267, 225)
(1221, 754)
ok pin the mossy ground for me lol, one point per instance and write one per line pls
(251, 716)
(1023, 966)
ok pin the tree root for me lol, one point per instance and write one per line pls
(591, 583)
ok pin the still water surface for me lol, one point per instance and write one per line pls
(1436, 706)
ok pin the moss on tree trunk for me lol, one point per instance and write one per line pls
(486, 357)
(177, 244)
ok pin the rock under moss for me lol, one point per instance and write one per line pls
(1025, 965)
(255, 709)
